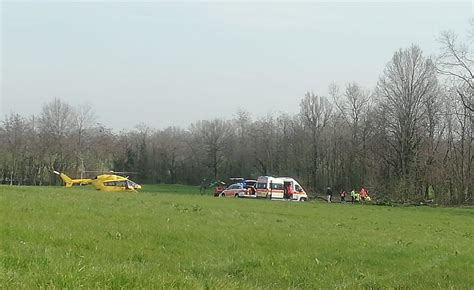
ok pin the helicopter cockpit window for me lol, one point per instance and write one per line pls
(115, 183)
(131, 183)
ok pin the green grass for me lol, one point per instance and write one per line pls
(164, 238)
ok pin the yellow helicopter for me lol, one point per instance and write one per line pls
(103, 182)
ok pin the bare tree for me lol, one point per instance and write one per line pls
(15, 133)
(83, 119)
(55, 125)
(408, 82)
(168, 153)
(315, 112)
(242, 161)
(456, 61)
(214, 136)
(352, 106)
(263, 134)
(354, 112)
(459, 151)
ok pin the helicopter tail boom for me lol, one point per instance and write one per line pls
(69, 182)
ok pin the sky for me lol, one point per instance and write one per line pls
(173, 63)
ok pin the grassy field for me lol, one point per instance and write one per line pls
(171, 236)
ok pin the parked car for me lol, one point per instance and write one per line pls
(233, 190)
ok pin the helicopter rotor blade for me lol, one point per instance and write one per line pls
(107, 171)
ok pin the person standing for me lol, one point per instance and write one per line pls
(363, 193)
(329, 194)
(251, 190)
(290, 191)
(353, 195)
(343, 195)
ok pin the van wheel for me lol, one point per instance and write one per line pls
(236, 195)
(303, 199)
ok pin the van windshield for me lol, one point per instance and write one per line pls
(261, 185)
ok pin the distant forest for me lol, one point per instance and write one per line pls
(408, 139)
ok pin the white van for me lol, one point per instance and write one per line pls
(283, 188)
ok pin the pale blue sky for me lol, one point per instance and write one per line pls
(174, 63)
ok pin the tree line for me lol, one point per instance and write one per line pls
(408, 139)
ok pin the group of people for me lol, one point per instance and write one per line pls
(356, 196)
